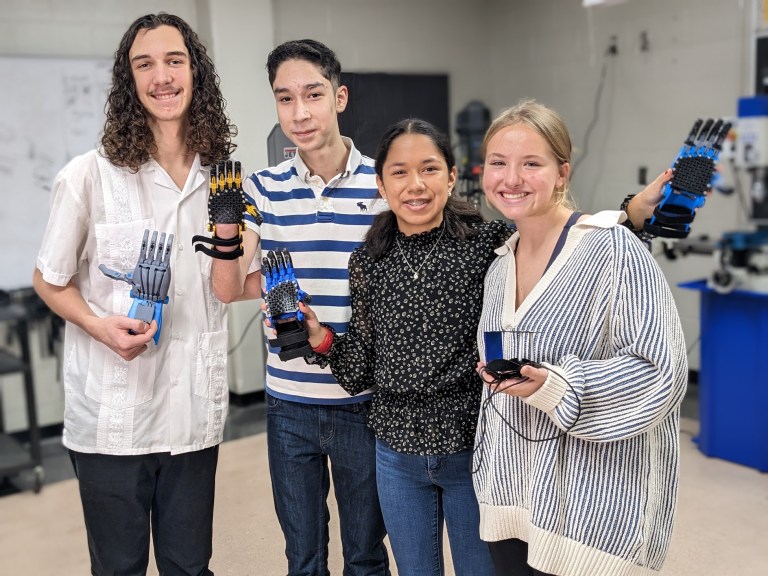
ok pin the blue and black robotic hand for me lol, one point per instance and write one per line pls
(282, 299)
(694, 169)
(150, 279)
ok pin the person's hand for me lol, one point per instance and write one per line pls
(532, 378)
(227, 207)
(641, 207)
(315, 330)
(126, 337)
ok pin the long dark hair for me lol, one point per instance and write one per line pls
(458, 215)
(128, 139)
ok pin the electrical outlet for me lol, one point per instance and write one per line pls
(613, 46)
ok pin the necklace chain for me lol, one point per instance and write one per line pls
(426, 258)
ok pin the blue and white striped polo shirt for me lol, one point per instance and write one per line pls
(321, 227)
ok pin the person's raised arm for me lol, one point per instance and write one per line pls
(231, 279)
(112, 331)
(233, 244)
(640, 207)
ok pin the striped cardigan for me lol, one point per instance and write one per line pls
(598, 500)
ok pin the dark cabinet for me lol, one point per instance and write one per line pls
(15, 456)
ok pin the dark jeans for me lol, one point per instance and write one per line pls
(418, 495)
(301, 440)
(510, 558)
(122, 495)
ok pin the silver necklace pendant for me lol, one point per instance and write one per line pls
(426, 258)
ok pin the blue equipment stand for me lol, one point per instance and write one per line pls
(733, 390)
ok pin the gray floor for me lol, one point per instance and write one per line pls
(720, 526)
(242, 421)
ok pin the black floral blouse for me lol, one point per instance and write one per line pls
(415, 338)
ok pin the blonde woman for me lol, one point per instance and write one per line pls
(576, 459)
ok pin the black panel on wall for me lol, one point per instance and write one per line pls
(378, 100)
(761, 66)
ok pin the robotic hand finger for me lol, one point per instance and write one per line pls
(282, 298)
(694, 170)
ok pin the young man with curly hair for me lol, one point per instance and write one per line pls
(143, 419)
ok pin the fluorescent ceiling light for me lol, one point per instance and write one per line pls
(588, 3)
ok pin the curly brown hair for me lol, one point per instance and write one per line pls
(128, 140)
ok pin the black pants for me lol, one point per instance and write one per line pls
(123, 495)
(510, 558)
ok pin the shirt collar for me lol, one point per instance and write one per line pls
(604, 219)
(162, 178)
(353, 161)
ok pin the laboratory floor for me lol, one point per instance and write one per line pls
(720, 527)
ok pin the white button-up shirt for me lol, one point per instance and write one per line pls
(174, 396)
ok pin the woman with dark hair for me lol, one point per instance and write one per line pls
(416, 290)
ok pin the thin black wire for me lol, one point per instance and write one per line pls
(479, 444)
(595, 117)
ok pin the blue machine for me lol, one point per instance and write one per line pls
(742, 256)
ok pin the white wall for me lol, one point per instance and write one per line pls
(76, 27)
(697, 64)
(239, 35)
(399, 36)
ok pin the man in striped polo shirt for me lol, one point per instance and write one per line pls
(319, 206)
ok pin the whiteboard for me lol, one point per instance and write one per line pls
(51, 110)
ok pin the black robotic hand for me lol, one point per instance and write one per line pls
(282, 299)
(694, 169)
(227, 204)
(150, 279)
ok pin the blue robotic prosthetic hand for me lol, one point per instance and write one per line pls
(150, 279)
(282, 299)
(694, 169)
(227, 204)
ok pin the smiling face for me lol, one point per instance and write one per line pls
(416, 182)
(521, 175)
(162, 73)
(308, 105)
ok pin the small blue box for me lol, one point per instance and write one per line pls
(733, 385)
(753, 106)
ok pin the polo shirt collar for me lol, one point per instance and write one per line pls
(354, 159)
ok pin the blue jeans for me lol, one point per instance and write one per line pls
(418, 494)
(124, 497)
(301, 440)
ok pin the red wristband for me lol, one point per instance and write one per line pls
(325, 345)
